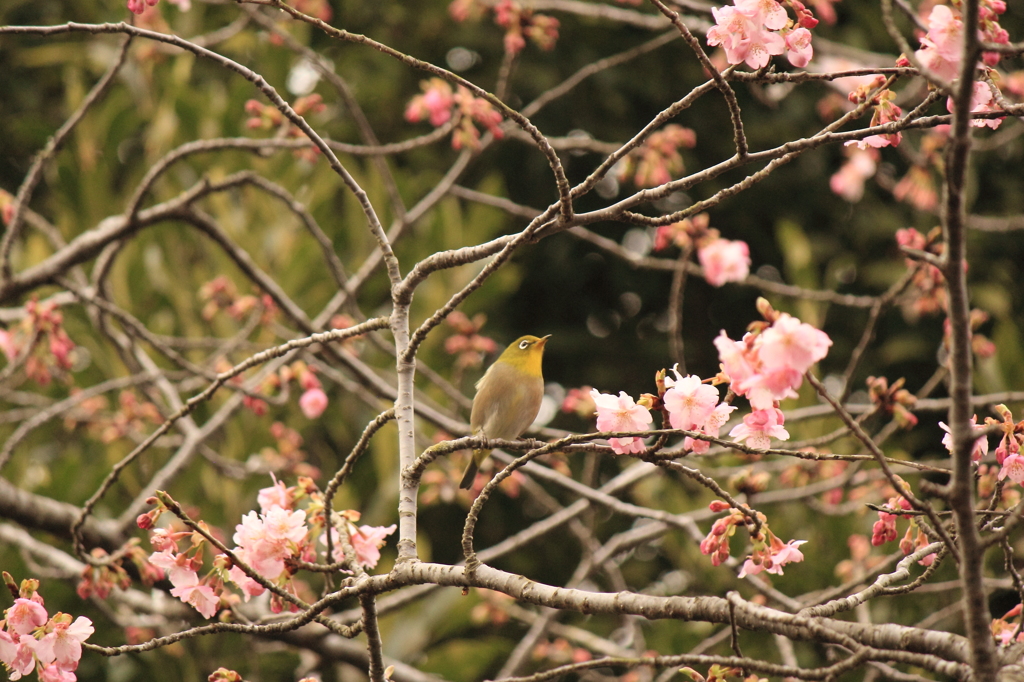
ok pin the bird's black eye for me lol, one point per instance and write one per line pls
(523, 345)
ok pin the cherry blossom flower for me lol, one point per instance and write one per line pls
(367, 542)
(917, 189)
(759, 427)
(283, 526)
(1013, 468)
(885, 112)
(249, 587)
(277, 495)
(848, 182)
(434, 104)
(17, 654)
(264, 540)
(793, 344)
(313, 403)
(767, 13)
(779, 555)
(884, 529)
(768, 367)
(25, 616)
(940, 51)
(980, 445)
(439, 103)
(177, 566)
(54, 673)
(63, 645)
(712, 425)
(724, 261)
(201, 597)
(8, 649)
(982, 101)
(164, 539)
(689, 401)
(799, 50)
(659, 159)
(139, 6)
(743, 39)
(717, 419)
(737, 357)
(749, 32)
(621, 414)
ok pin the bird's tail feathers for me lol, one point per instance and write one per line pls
(471, 469)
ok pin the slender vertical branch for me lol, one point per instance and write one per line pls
(374, 645)
(961, 488)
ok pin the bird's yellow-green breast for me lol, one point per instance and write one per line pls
(508, 397)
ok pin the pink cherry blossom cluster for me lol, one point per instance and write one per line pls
(928, 283)
(693, 405)
(269, 542)
(885, 111)
(759, 427)
(313, 400)
(940, 52)
(655, 161)
(981, 345)
(439, 103)
(107, 572)
(917, 188)
(466, 342)
(1008, 455)
(518, 21)
(915, 539)
(771, 556)
(765, 367)
(621, 413)
(221, 295)
(269, 118)
(768, 364)
(848, 181)
(893, 400)
(366, 540)
(940, 46)
(30, 639)
(39, 340)
(884, 529)
(723, 260)
(753, 31)
(768, 554)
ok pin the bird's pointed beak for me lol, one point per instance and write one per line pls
(543, 340)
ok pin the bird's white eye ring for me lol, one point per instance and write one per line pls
(523, 345)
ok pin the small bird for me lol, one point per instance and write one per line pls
(507, 397)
